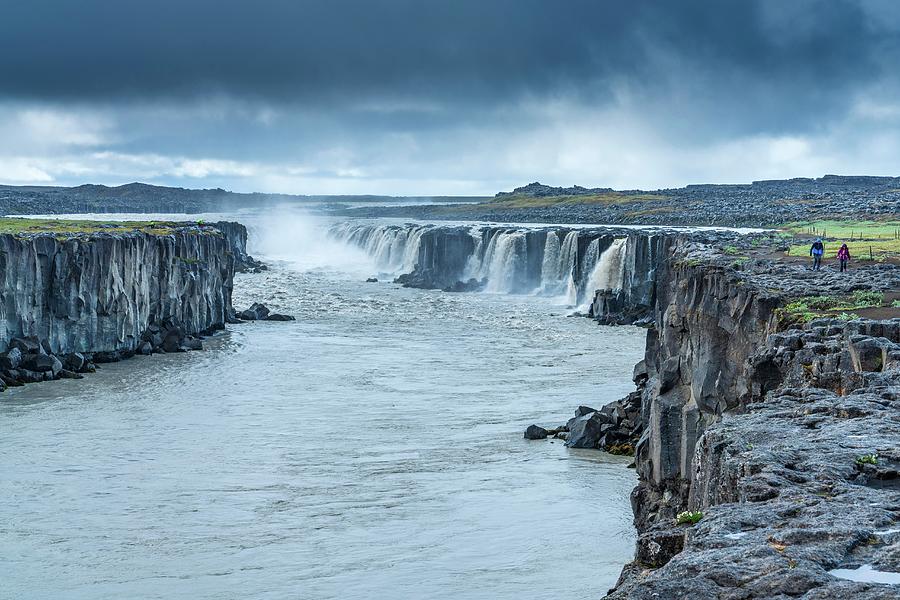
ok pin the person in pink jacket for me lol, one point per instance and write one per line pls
(844, 256)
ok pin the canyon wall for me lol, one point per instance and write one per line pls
(765, 435)
(100, 292)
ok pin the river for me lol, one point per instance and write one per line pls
(371, 449)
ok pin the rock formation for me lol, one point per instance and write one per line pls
(783, 444)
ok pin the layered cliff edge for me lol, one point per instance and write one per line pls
(101, 292)
(784, 444)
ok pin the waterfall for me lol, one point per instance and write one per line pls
(556, 268)
(608, 273)
(509, 261)
(500, 261)
(392, 248)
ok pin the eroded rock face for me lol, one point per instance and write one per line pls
(101, 293)
(771, 435)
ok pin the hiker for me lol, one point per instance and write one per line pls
(816, 251)
(844, 256)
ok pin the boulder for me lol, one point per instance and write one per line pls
(173, 340)
(256, 312)
(27, 345)
(74, 362)
(10, 359)
(372, 280)
(279, 317)
(42, 363)
(146, 349)
(587, 430)
(536, 432)
(67, 374)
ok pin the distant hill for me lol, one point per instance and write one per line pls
(145, 198)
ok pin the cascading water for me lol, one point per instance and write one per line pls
(608, 273)
(558, 262)
(507, 260)
(500, 262)
(392, 248)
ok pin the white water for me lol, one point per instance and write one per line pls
(608, 273)
(501, 262)
(556, 269)
(499, 257)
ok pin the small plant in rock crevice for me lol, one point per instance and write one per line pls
(867, 459)
(688, 517)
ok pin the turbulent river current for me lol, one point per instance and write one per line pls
(370, 449)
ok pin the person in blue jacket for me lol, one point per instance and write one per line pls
(817, 250)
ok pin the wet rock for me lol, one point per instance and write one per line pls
(41, 363)
(11, 359)
(66, 374)
(192, 343)
(256, 312)
(107, 357)
(372, 280)
(74, 361)
(471, 285)
(535, 432)
(279, 317)
(145, 349)
(587, 430)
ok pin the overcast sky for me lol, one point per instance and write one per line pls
(446, 97)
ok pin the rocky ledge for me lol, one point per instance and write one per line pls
(768, 446)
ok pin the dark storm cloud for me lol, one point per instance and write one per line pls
(462, 94)
(488, 50)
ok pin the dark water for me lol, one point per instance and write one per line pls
(371, 449)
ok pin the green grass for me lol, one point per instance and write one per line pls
(867, 240)
(21, 226)
(803, 310)
(845, 230)
(878, 250)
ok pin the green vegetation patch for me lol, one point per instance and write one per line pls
(867, 240)
(689, 517)
(803, 310)
(867, 459)
(24, 226)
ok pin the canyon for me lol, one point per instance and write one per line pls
(766, 449)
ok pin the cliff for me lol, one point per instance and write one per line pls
(101, 291)
(78, 293)
(784, 443)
